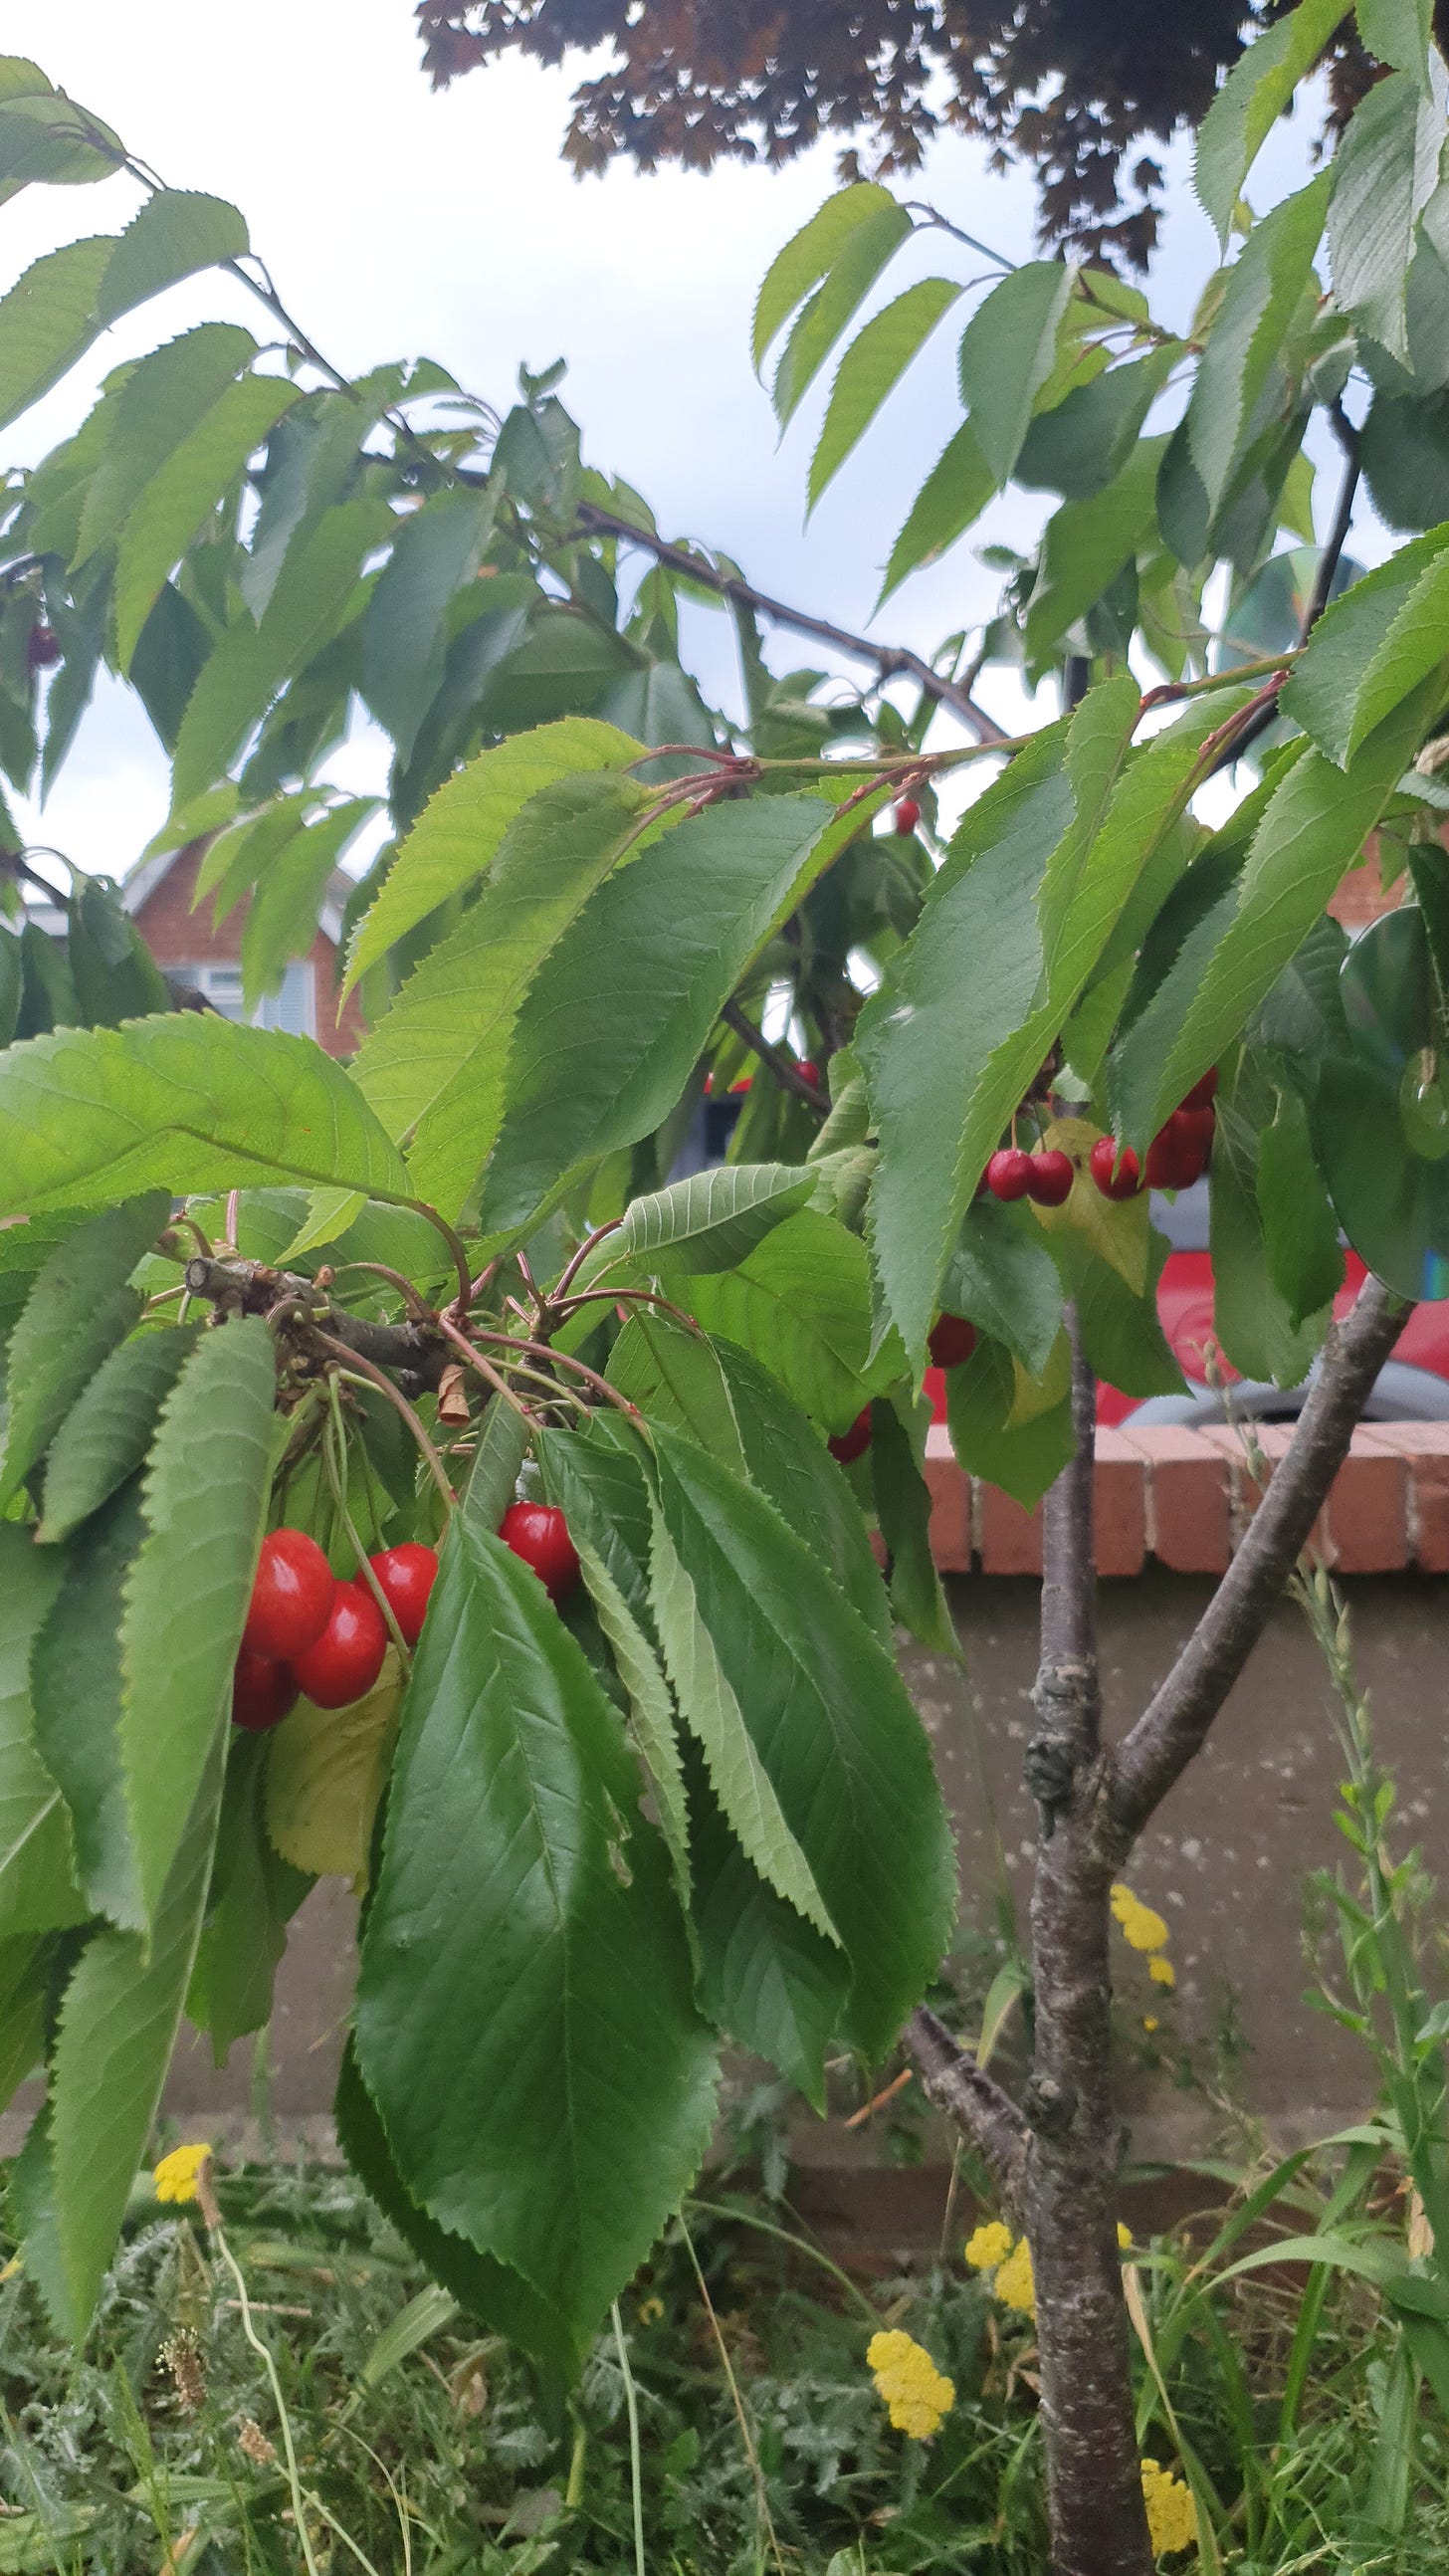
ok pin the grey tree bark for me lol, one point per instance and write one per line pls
(1055, 2158)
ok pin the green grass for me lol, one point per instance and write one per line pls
(423, 2446)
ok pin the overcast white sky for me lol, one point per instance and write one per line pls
(399, 222)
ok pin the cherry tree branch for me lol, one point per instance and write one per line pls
(1175, 1722)
(1067, 1695)
(891, 661)
(986, 2115)
(786, 1072)
(1260, 718)
(415, 1353)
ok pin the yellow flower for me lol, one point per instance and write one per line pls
(1171, 2513)
(175, 2176)
(1124, 2236)
(1014, 2285)
(1140, 1926)
(1150, 2022)
(650, 2311)
(1162, 1972)
(989, 2246)
(916, 2393)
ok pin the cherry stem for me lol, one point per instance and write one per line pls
(337, 1478)
(559, 1359)
(233, 1212)
(626, 1297)
(572, 1267)
(557, 1394)
(193, 1228)
(455, 1246)
(417, 1306)
(363, 1370)
(485, 1369)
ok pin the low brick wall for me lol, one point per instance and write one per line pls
(1184, 1497)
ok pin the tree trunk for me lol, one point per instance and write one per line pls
(1054, 2160)
(1094, 2481)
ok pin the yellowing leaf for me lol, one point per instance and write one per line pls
(1036, 1395)
(325, 1777)
(1116, 1229)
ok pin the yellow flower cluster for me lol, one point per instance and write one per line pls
(1144, 1929)
(916, 2393)
(1171, 2513)
(989, 2245)
(993, 2248)
(1014, 2285)
(175, 2176)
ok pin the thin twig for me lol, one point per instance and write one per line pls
(891, 661)
(786, 1072)
(878, 2101)
(1259, 719)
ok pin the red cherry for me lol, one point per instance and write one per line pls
(951, 1342)
(1008, 1174)
(1179, 1151)
(405, 1577)
(1165, 1160)
(1051, 1177)
(1117, 1173)
(854, 1442)
(808, 1072)
(742, 1085)
(42, 648)
(539, 1534)
(347, 1658)
(1202, 1092)
(291, 1596)
(1197, 1128)
(262, 1692)
(908, 814)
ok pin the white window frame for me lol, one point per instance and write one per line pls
(206, 974)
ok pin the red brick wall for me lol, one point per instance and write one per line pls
(1185, 1496)
(177, 936)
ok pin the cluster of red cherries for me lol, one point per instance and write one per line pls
(1177, 1156)
(309, 1630)
(950, 1344)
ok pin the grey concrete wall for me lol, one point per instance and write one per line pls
(1225, 1864)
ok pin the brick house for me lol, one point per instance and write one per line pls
(206, 955)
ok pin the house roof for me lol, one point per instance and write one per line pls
(148, 874)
